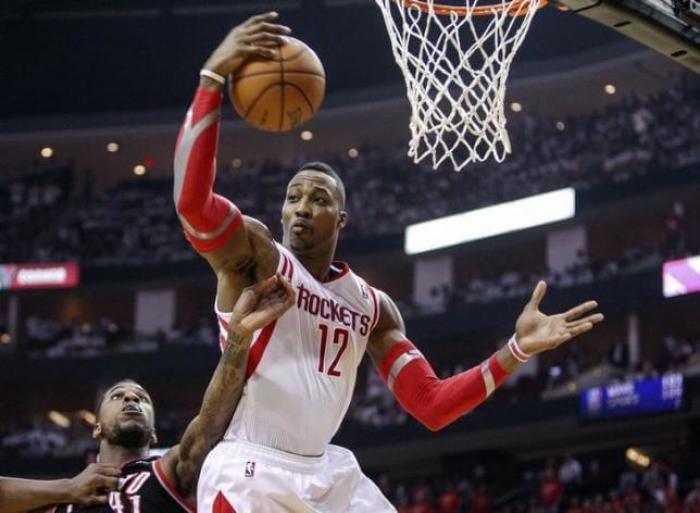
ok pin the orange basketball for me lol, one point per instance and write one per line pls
(282, 93)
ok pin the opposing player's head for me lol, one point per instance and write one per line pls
(125, 416)
(314, 209)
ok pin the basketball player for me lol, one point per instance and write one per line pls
(275, 456)
(125, 429)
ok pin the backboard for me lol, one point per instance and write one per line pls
(671, 27)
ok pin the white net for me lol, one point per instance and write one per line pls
(456, 67)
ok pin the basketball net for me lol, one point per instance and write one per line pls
(455, 61)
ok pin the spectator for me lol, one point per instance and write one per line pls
(551, 490)
(570, 473)
(692, 501)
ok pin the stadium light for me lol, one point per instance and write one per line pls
(610, 89)
(113, 147)
(59, 419)
(47, 152)
(307, 135)
(87, 416)
(516, 107)
(638, 457)
(490, 221)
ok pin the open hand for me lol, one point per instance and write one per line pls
(261, 304)
(537, 332)
(254, 37)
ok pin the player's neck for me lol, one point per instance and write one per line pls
(318, 261)
(118, 455)
(319, 266)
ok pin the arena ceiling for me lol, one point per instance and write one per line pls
(76, 57)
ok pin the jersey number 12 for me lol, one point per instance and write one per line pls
(341, 336)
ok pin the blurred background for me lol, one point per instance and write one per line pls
(97, 282)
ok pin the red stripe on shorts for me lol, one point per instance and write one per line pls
(221, 505)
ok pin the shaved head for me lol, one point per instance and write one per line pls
(322, 167)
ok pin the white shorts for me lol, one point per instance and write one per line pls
(241, 477)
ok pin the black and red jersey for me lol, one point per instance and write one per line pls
(143, 488)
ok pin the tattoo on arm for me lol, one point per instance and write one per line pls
(220, 401)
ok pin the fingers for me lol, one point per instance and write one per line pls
(106, 470)
(264, 40)
(260, 51)
(288, 290)
(261, 18)
(579, 310)
(110, 483)
(269, 28)
(537, 296)
(266, 286)
(593, 319)
(580, 329)
(98, 499)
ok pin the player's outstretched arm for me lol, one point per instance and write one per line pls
(436, 402)
(90, 487)
(213, 224)
(256, 307)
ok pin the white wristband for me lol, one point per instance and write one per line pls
(214, 76)
(515, 350)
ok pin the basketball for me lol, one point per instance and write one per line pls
(279, 94)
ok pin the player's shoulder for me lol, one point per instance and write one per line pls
(140, 465)
(389, 314)
(257, 228)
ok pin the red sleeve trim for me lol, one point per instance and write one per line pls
(395, 351)
(375, 316)
(204, 102)
(206, 242)
(168, 487)
(499, 373)
(258, 348)
(285, 263)
(290, 271)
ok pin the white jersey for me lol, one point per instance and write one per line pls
(302, 367)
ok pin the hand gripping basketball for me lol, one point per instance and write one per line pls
(281, 93)
(254, 37)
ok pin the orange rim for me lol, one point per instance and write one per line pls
(514, 8)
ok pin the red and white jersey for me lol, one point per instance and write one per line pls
(302, 368)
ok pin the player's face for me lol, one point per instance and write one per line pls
(311, 215)
(126, 416)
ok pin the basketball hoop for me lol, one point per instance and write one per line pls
(455, 60)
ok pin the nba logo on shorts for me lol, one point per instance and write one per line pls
(249, 468)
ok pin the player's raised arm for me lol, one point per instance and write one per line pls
(89, 488)
(437, 402)
(213, 224)
(256, 307)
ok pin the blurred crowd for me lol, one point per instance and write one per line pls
(568, 486)
(134, 223)
(48, 338)
(32, 203)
